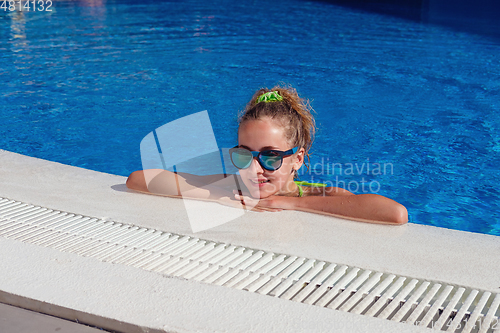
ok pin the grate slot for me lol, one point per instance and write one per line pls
(125, 252)
(246, 259)
(11, 206)
(195, 263)
(320, 287)
(213, 268)
(173, 249)
(275, 272)
(212, 258)
(182, 252)
(398, 316)
(147, 261)
(384, 299)
(36, 214)
(372, 297)
(86, 239)
(288, 288)
(291, 273)
(357, 295)
(233, 276)
(423, 304)
(43, 231)
(449, 308)
(461, 313)
(12, 227)
(336, 289)
(183, 259)
(489, 320)
(435, 307)
(150, 255)
(350, 290)
(130, 240)
(64, 231)
(40, 216)
(20, 213)
(117, 239)
(473, 318)
(252, 276)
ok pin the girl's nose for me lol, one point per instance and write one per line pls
(256, 167)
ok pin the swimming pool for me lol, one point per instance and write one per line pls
(83, 84)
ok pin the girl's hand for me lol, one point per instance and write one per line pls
(260, 205)
(248, 203)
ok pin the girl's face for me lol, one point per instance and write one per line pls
(266, 134)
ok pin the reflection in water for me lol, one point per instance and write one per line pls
(19, 44)
(18, 27)
(91, 3)
(94, 8)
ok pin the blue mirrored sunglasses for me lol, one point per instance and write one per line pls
(270, 160)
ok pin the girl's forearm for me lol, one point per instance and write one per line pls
(160, 182)
(163, 182)
(369, 207)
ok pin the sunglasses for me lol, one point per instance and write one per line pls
(270, 160)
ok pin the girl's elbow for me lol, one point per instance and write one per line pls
(136, 181)
(400, 215)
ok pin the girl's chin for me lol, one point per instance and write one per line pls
(260, 194)
(257, 193)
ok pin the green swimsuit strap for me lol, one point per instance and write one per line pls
(301, 182)
(301, 191)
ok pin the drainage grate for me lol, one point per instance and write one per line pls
(425, 303)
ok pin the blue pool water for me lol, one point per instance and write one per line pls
(83, 84)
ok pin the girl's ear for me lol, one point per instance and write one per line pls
(299, 159)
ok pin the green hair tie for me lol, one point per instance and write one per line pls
(271, 96)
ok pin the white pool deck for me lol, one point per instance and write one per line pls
(128, 299)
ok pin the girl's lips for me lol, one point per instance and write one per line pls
(259, 183)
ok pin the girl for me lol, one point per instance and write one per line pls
(275, 134)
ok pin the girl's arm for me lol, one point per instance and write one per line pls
(368, 207)
(341, 203)
(163, 182)
(372, 208)
(218, 188)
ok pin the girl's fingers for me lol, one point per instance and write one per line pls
(238, 204)
(263, 209)
(258, 205)
(244, 199)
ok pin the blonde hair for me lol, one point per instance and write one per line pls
(293, 113)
